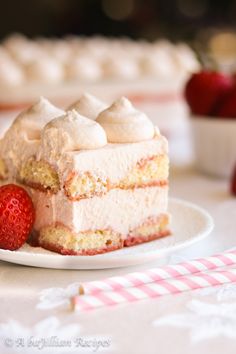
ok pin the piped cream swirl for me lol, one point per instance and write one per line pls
(125, 124)
(88, 106)
(22, 140)
(72, 132)
(37, 116)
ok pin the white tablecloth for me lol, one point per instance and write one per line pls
(35, 316)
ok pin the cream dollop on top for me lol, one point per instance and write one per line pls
(72, 132)
(31, 121)
(22, 140)
(125, 124)
(88, 106)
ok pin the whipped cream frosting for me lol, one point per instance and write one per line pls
(71, 132)
(22, 49)
(60, 50)
(100, 212)
(122, 67)
(88, 106)
(158, 63)
(125, 124)
(114, 161)
(11, 74)
(32, 120)
(92, 59)
(22, 139)
(84, 67)
(185, 58)
(45, 70)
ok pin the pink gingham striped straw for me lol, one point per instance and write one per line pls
(187, 275)
(152, 290)
(161, 273)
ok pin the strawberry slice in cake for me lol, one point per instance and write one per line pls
(96, 185)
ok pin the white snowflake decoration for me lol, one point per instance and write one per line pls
(49, 336)
(54, 297)
(222, 293)
(204, 320)
(17, 338)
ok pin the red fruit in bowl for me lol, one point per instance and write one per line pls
(16, 216)
(205, 89)
(227, 107)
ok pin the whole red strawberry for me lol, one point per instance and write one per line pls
(16, 216)
(205, 90)
(227, 108)
(233, 182)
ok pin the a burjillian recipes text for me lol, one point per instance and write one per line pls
(93, 344)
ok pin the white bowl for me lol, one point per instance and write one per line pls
(214, 142)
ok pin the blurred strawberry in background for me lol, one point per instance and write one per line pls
(205, 90)
(211, 97)
(233, 182)
(227, 107)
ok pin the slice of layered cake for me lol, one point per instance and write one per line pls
(97, 185)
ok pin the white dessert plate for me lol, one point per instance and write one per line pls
(190, 224)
